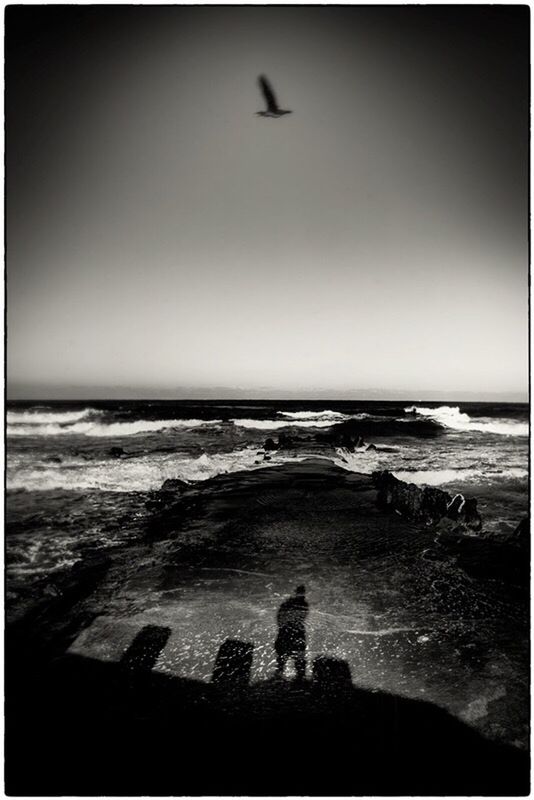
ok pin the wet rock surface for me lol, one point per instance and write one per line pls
(393, 639)
(490, 557)
(458, 525)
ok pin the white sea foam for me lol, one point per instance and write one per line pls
(100, 429)
(147, 472)
(297, 419)
(277, 424)
(368, 461)
(335, 416)
(363, 460)
(440, 477)
(452, 417)
(140, 474)
(48, 417)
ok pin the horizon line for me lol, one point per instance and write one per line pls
(456, 397)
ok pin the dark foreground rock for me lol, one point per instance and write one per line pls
(458, 525)
(490, 557)
(520, 537)
(174, 485)
(91, 727)
(170, 490)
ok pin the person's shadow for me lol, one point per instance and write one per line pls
(291, 640)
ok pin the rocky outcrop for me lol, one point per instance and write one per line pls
(285, 442)
(351, 430)
(426, 504)
(173, 485)
(495, 557)
(171, 490)
(458, 525)
(346, 435)
(521, 535)
(116, 452)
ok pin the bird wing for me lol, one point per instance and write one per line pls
(268, 94)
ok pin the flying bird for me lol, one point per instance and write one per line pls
(272, 110)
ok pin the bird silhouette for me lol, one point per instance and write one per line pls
(273, 109)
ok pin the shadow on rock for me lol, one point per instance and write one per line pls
(92, 727)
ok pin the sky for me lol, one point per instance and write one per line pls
(162, 239)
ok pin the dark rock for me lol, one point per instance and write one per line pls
(470, 514)
(521, 535)
(436, 554)
(171, 489)
(453, 509)
(173, 485)
(353, 429)
(347, 442)
(53, 460)
(495, 557)
(285, 442)
(116, 452)
(426, 504)
(464, 510)
(51, 590)
(434, 502)
(450, 530)
(269, 445)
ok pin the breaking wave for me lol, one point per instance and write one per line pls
(48, 417)
(148, 471)
(451, 417)
(141, 474)
(366, 460)
(333, 416)
(298, 419)
(99, 429)
(277, 424)
(441, 477)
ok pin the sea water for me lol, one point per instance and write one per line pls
(67, 487)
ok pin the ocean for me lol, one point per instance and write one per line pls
(68, 488)
(79, 475)
(67, 481)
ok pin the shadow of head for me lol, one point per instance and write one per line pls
(331, 676)
(233, 664)
(144, 651)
